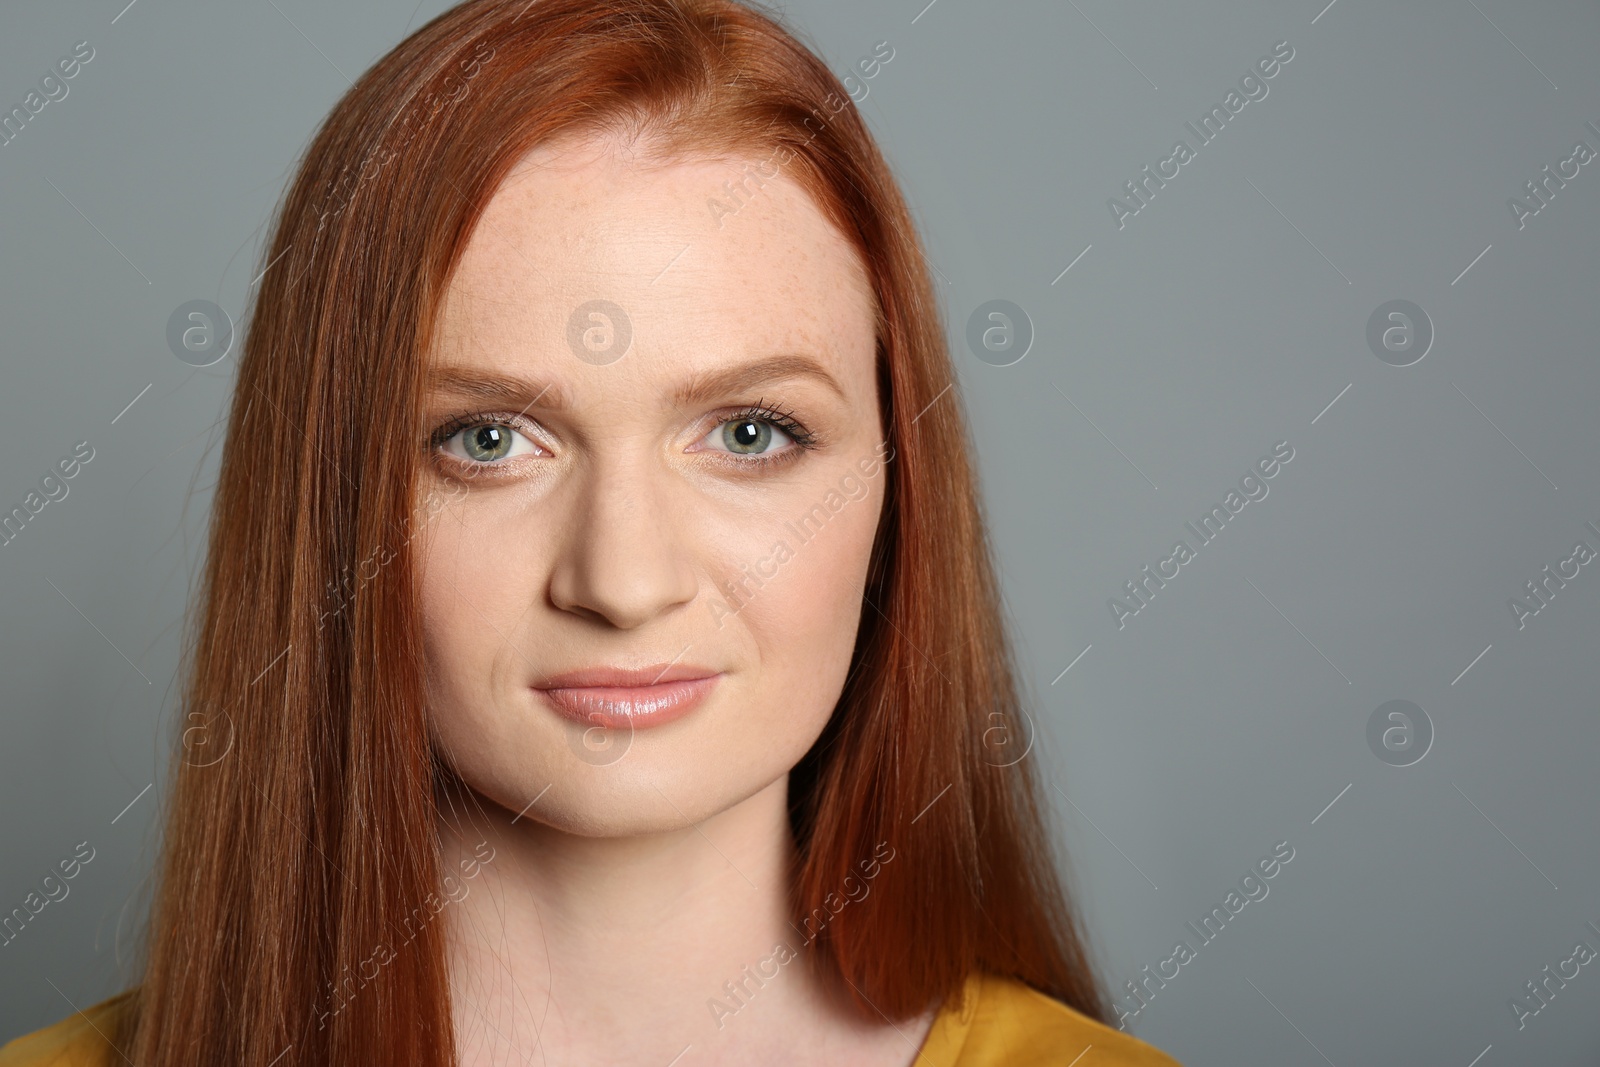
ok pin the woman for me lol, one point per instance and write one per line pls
(599, 656)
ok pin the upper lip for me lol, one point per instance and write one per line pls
(624, 677)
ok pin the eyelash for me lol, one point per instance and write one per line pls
(456, 423)
(783, 420)
(802, 438)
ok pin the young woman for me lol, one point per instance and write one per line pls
(599, 658)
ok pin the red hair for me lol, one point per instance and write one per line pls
(313, 837)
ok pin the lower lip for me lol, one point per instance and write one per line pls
(629, 707)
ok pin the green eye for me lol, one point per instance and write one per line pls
(487, 443)
(747, 436)
(483, 440)
(760, 433)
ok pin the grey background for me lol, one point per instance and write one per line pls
(1225, 317)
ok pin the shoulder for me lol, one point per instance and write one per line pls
(83, 1039)
(1002, 1021)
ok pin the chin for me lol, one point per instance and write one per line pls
(654, 781)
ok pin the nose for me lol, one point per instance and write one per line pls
(623, 559)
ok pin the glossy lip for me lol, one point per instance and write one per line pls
(628, 699)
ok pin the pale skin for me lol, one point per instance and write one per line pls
(634, 876)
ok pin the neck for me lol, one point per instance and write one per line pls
(628, 949)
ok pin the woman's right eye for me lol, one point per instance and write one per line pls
(484, 443)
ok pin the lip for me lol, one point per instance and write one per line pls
(628, 699)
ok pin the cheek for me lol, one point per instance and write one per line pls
(800, 614)
(471, 591)
(450, 586)
(481, 574)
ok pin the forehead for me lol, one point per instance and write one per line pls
(705, 259)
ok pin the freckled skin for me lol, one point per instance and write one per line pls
(619, 528)
(616, 546)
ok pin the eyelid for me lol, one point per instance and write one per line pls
(530, 430)
(761, 411)
(455, 423)
(715, 434)
(801, 440)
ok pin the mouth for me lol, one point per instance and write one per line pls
(619, 699)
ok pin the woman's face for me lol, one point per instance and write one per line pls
(658, 459)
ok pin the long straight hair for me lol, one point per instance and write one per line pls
(300, 829)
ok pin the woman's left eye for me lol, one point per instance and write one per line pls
(746, 436)
(486, 442)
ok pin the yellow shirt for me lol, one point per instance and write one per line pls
(997, 1022)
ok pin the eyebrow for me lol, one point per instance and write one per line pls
(512, 391)
(501, 390)
(711, 385)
